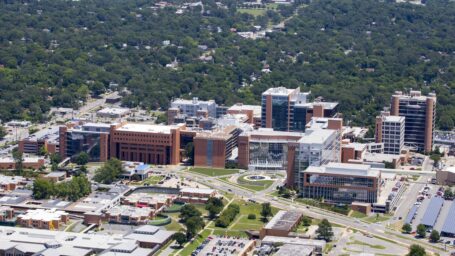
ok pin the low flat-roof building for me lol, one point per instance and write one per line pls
(125, 214)
(8, 183)
(341, 183)
(150, 236)
(446, 176)
(8, 163)
(152, 200)
(113, 112)
(195, 195)
(55, 176)
(281, 224)
(43, 219)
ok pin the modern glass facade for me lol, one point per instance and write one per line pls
(280, 108)
(80, 141)
(268, 155)
(343, 189)
(299, 119)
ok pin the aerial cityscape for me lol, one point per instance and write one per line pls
(227, 127)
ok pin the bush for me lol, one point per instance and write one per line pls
(251, 216)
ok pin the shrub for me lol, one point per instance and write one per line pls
(251, 216)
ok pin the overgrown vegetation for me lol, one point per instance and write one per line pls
(78, 187)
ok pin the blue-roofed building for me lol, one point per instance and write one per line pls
(411, 214)
(432, 213)
(448, 229)
(137, 169)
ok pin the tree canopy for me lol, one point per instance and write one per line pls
(55, 53)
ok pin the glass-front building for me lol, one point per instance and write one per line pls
(268, 155)
(89, 142)
(339, 185)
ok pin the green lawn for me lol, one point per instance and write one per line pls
(223, 232)
(214, 172)
(153, 180)
(374, 218)
(173, 226)
(196, 242)
(374, 246)
(357, 214)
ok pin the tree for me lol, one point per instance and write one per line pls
(421, 230)
(109, 172)
(3, 132)
(18, 157)
(324, 230)
(180, 238)
(448, 194)
(189, 149)
(188, 211)
(193, 225)
(214, 206)
(306, 221)
(407, 228)
(416, 250)
(266, 211)
(251, 216)
(82, 158)
(42, 189)
(42, 151)
(434, 236)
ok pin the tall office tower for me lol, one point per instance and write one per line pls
(390, 131)
(288, 109)
(419, 113)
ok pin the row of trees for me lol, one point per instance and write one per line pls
(228, 215)
(422, 232)
(72, 190)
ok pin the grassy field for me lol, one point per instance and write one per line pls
(214, 172)
(357, 214)
(374, 246)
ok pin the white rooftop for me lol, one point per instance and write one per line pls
(132, 127)
(278, 91)
(114, 111)
(316, 136)
(394, 119)
(196, 190)
(43, 214)
(345, 169)
(11, 179)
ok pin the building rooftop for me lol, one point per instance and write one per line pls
(114, 111)
(27, 237)
(56, 174)
(11, 179)
(149, 128)
(394, 119)
(240, 107)
(222, 133)
(284, 220)
(379, 157)
(193, 101)
(150, 234)
(134, 212)
(295, 249)
(42, 214)
(197, 190)
(316, 136)
(278, 91)
(432, 212)
(345, 169)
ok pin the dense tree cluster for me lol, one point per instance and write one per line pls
(54, 53)
(78, 187)
(214, 206)
(190, 216)
(109, 172)
(227, 216)
(324, 230)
